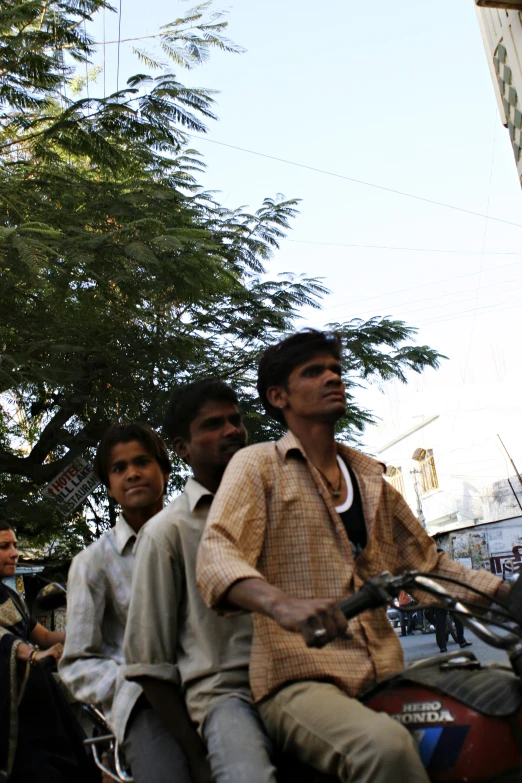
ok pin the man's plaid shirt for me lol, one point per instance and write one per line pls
(273, 518)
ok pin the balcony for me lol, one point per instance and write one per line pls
(513, 5)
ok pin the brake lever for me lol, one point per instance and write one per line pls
(393, 585)
(465, 615)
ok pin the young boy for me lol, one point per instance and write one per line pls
(133, 463)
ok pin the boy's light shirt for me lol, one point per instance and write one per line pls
(98, 596)
(171, 634)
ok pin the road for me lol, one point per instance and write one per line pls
(423, 646)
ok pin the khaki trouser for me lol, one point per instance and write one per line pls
(338, 736)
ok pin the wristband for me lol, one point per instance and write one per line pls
(31, 660)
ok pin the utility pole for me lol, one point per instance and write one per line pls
(516, 471)
(512, 462)
(515, 494)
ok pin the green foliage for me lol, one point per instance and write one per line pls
(33, 38)
(120, 276)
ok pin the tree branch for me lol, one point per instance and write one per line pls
(49, 439)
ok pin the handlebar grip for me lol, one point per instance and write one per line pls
(366, 598)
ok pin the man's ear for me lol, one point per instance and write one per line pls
(277, 396)
(181, 448)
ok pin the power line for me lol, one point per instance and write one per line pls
(126, 40)
(432, 298)
(460, 313)
(354, 180)
(421, 285)
(119, 41)
(412, 249)
(465, 313)
(104, 58)
(86, 63)
(396, 192)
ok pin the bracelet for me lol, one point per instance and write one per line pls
(31, 660)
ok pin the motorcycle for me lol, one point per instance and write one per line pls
(465, 717)
(100, 740)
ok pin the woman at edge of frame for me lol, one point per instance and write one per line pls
(39, 737)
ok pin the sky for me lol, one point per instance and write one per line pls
(396, 95)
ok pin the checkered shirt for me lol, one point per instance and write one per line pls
(273, 518)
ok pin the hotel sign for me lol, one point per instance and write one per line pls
(72, 486)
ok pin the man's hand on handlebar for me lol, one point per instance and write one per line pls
(319, 621)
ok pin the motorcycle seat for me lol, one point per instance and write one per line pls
(492, 690)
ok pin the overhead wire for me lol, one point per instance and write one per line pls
(365, 183)
(119, 44)
(86, 63)
(355, 180)
(500, 307)
(465, 313)
(421, 285)
(104, 59)
(127, 40)
(119, 40)
(411, 249)
(432, 298)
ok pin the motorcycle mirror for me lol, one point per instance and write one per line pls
(52, 596)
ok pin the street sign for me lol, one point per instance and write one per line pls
(72, 486)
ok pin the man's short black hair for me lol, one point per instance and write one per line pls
(5, 525)
(279, 361)
(187, 401)
(125, 433)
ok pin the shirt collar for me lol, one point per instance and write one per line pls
(196, 492)
(355, 459)
(122, 533)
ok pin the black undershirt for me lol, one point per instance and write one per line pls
(353, 519)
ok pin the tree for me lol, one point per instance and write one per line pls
(120, 276)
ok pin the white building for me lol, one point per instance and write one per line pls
(442, 452)
(501, 27)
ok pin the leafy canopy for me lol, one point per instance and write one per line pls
(120, 276)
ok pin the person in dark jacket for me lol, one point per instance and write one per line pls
(39, 738)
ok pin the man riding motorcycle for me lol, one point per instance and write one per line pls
(296, 526)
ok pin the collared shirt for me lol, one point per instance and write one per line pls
(171, 634)
(273, 518)
(98, 595)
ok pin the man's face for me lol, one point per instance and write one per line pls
(8, 553)
(216, 434)
(136, 479)
(314, 390)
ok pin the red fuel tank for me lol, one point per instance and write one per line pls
(456, 743)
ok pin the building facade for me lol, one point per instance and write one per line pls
(442, 452)
(501, 27)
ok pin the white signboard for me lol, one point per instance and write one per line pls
(72, 486)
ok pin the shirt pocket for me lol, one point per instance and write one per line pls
(380, 554)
